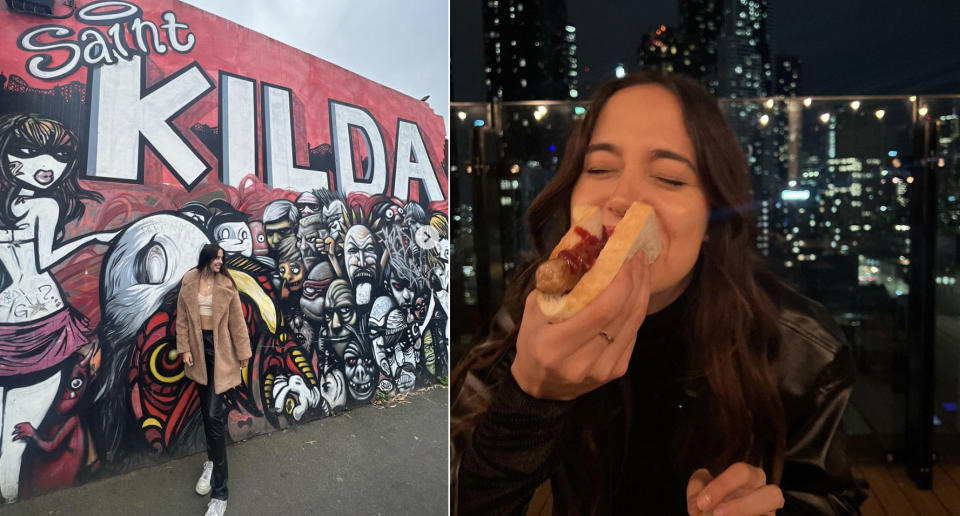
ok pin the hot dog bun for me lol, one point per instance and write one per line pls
(636, 230)
(587, 217)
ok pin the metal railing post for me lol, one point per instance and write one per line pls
(922, 319)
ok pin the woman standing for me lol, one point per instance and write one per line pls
(213, 342)
(694, 385)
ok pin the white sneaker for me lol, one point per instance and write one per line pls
(203, 483)
(216, 507)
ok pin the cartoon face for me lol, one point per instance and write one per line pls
(443, 269)
(234, 238)
(360, 255)
(308, 204)
(146, 262)
(361, 371)
(333, 218)
(311, 242)
(340, 309)
(35, 168)
(292, 274)
(402, 291)
(420, 307)
(314, 291)
(75, 387)
(332, 390)
(413, 217)
(259, 237)
(443, 250)
(311, 235)
(277, 231)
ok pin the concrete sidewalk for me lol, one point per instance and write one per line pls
(369, 461)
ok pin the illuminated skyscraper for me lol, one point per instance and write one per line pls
(743, 50)
(787, 76)
(530, 50)
(666, 48)
(700, 24)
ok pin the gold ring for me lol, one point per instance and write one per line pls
(607, 336)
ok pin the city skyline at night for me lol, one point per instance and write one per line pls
(847, 48)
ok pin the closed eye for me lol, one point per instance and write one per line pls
(598, 170)
(671, 182)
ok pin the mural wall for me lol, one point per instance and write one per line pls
(134, 133)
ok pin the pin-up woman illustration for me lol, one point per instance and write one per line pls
(39, 195)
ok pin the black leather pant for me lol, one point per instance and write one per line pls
(211, 406)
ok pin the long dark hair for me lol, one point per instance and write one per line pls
(734, 333)
(50, 137)
(209, 253)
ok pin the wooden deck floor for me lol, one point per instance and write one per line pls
(891, 493)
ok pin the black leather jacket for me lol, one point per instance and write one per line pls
(506, 443)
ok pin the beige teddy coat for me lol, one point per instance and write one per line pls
(230, 338)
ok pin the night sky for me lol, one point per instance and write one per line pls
(847, 47)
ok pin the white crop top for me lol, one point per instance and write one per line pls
(206, 304)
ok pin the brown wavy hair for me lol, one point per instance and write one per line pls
(734, 333)
(208, 253)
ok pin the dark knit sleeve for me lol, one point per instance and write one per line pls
(504, 442)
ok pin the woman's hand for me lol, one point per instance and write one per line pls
(187, 358)
(741, 490)
(565, 360)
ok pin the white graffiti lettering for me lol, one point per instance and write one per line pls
(121, 113)
(93, 48)
(126, 114)
(238, 128)
(278, 126)
(342, 118)
(26, 305)
(410, 144)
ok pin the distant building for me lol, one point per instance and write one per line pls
(787, 76)
(530, 50)
(727, 45)
(744, 67)
(700, 24)
(665, 48)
